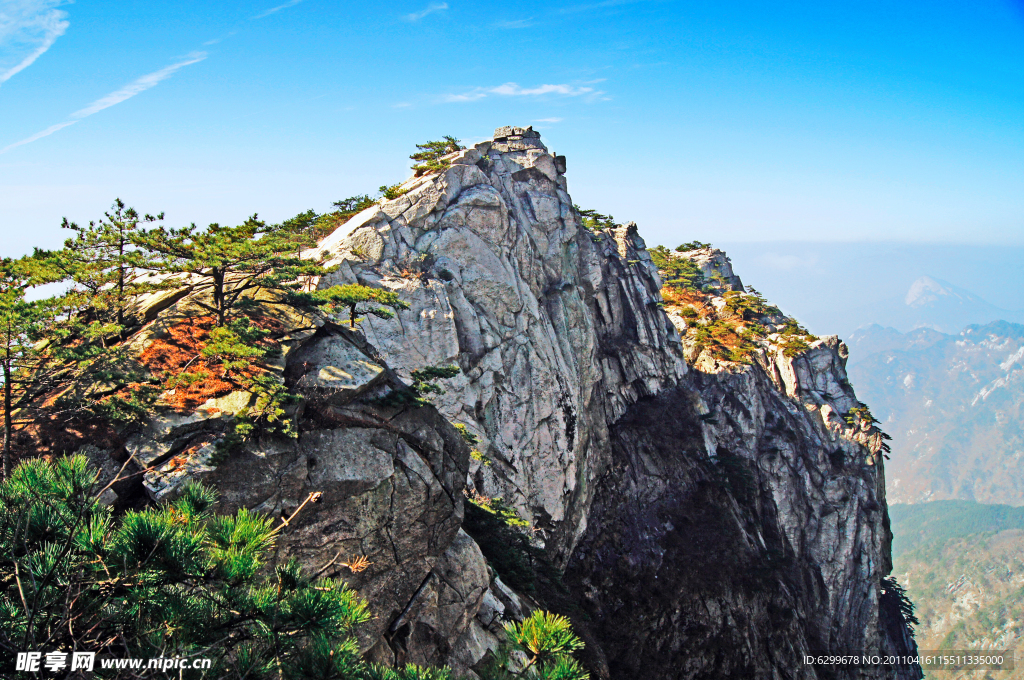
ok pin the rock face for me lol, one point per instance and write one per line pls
(557, 331)
(714, 521)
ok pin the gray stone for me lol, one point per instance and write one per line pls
(334, 370)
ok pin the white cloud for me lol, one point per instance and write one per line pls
(429, 9)
(468, 97)
(127, 92)
(272, 10)
(549, 120)
(514, 90)
(27, 29)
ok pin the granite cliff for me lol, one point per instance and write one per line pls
(710, 517)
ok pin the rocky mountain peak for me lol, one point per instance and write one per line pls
(733, 503)
(928, 291)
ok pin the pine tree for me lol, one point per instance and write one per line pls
(431, 155)
(108, 270)
(179, 581)
(232, 263)
(352, 295)
(22, 352)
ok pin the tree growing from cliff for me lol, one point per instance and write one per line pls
(430, 157)
(179, 581)
(677, 272)
(232, 263)
(352, 297)
(593, 220)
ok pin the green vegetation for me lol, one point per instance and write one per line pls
(593, 220)
(232, 262)
(168, 581)
(351, 296)
(927, 524)
(962, 563)
(107, 268)
(353, 205)
(794, 346)
(504, 539)
(22, 325)
(547, 643)
(892, 590)
(71, 376)
(424, 382)
(468, 436)
(430, 157)
(390, 193)
(682, 273)
(749, 306)
(733, 333)
(692, 245)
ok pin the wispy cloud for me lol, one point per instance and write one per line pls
(127, 92)
(514, 90)
(272, 10)
(429, 9)
(27, 29)
(136, 86)
(518, 23)
(549, 120)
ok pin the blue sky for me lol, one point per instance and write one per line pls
(724, 121)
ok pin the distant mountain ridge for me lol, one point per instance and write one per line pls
(954, 406)
(933, 303)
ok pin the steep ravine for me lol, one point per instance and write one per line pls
(719, 520)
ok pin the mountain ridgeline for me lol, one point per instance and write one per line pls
(550, 416)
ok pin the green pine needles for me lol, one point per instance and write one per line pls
(593, 220)
(232, 263)
(539, 648)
